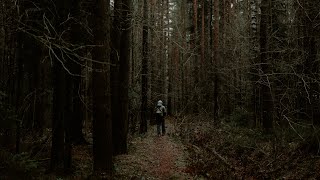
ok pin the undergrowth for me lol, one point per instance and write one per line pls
(235, 152)
(17, 166)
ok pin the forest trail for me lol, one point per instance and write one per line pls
(152, 157)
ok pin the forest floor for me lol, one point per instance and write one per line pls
(153, 157)
(193, 148)
(149, 157)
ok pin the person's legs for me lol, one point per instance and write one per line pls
(163, 127)
(158, 121)
(158, 129)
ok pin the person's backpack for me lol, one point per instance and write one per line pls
(159, 110)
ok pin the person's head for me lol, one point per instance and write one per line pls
(159, 102)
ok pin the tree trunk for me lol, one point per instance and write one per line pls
(216, 61)
(59, 94)
(195, 64)
(153, 51)
(311, 21)
(102, 122)
(2, 43)
(115, 73)
(266, 97)
(144, 72)
(19, 89)
(124, 74)
(202, 61)
(67, 120)
(167, 60)
(254, 59)
(76, 134)
(59, 86)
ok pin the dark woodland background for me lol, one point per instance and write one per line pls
(77, 72)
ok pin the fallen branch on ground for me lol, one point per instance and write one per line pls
(224, 160)
(213, 151)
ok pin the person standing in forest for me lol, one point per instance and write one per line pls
(161, 112)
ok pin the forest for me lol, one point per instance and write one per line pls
(80, 80)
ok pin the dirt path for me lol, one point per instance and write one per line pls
(152, 157)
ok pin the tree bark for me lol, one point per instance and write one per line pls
(216, 61)
(60, 102)
(124, 74)
(102, 122)
(266, 97)
(115, 74)
(57, 148)
(254, 60)
(167, 59)
(144, 72)
(195, 50)
(78, 111)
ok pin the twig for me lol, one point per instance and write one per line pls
(292, 126)
(212, 150)
(221, 158)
